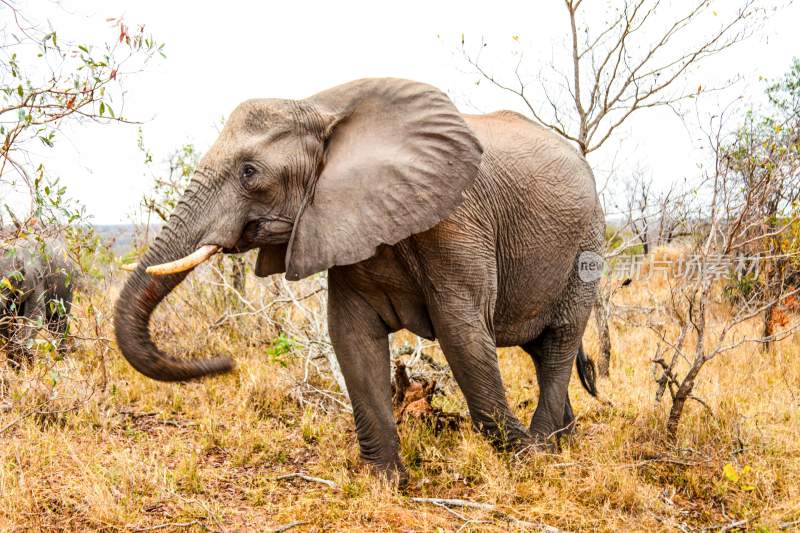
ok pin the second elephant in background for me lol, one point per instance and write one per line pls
(36, 289)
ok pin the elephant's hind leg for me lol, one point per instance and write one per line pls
(546, 420)
(553, 354)
(460, 286)
(555, 349)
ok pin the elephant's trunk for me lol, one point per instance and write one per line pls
(143, 292)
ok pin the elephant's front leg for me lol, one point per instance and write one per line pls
(58, 323)
(23, 330)
(361, 342)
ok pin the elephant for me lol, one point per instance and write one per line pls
(36, 289)
(470, 229)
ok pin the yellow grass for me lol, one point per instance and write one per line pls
(88, 444)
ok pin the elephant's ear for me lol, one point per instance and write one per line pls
(271, 260)
(398, 156)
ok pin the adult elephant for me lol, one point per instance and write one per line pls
(36, 286)
(470, 229)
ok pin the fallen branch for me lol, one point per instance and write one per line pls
(305, 477)
(455, 502)
(169, 525)
(732, 525)
(288, 526)
(446, 503)
(16, 421)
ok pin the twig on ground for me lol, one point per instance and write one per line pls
(169, 525)
(455, 513)
(446, 503)
(732, 525)
(544, 528)
(305, 477)
(288, 526)
(329, 395)
(562, 465)
(455, 502)
(17, 421)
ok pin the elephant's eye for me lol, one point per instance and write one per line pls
(248, 171)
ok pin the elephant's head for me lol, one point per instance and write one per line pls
(312, 183)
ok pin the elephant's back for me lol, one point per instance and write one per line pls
(532, 178)
(36, 260)
(541, 194)
(532, 156)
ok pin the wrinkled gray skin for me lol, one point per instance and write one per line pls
(42, 285)
(458, 227)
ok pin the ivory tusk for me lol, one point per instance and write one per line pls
(185, 263)
(130, 267)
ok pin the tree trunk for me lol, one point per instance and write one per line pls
(768, 327)
(683, 393)
(774, 268)
(238, 279)
(603, 333)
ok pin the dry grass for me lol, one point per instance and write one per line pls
(88, 444)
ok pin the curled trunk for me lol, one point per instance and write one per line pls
(143, 292)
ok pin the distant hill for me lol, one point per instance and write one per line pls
(120, 236)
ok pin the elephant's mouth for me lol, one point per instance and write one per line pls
(261, 232)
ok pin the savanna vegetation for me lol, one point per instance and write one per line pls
(90, 444)
(696, 426)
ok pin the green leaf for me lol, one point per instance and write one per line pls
(102, 108)
(20, 92)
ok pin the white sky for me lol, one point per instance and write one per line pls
(220, 53)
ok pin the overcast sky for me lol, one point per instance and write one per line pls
(219, 55)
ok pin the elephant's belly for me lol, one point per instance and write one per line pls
(527, 299)
(515, 332)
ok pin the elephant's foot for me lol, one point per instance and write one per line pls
(548, 427)
(393, 472)
(504, 435)
(548, 436)
(535, 444)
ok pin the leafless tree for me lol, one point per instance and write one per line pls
(735, 223)
(675, 209)
(655, 217)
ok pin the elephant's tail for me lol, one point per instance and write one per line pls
(586, 371)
